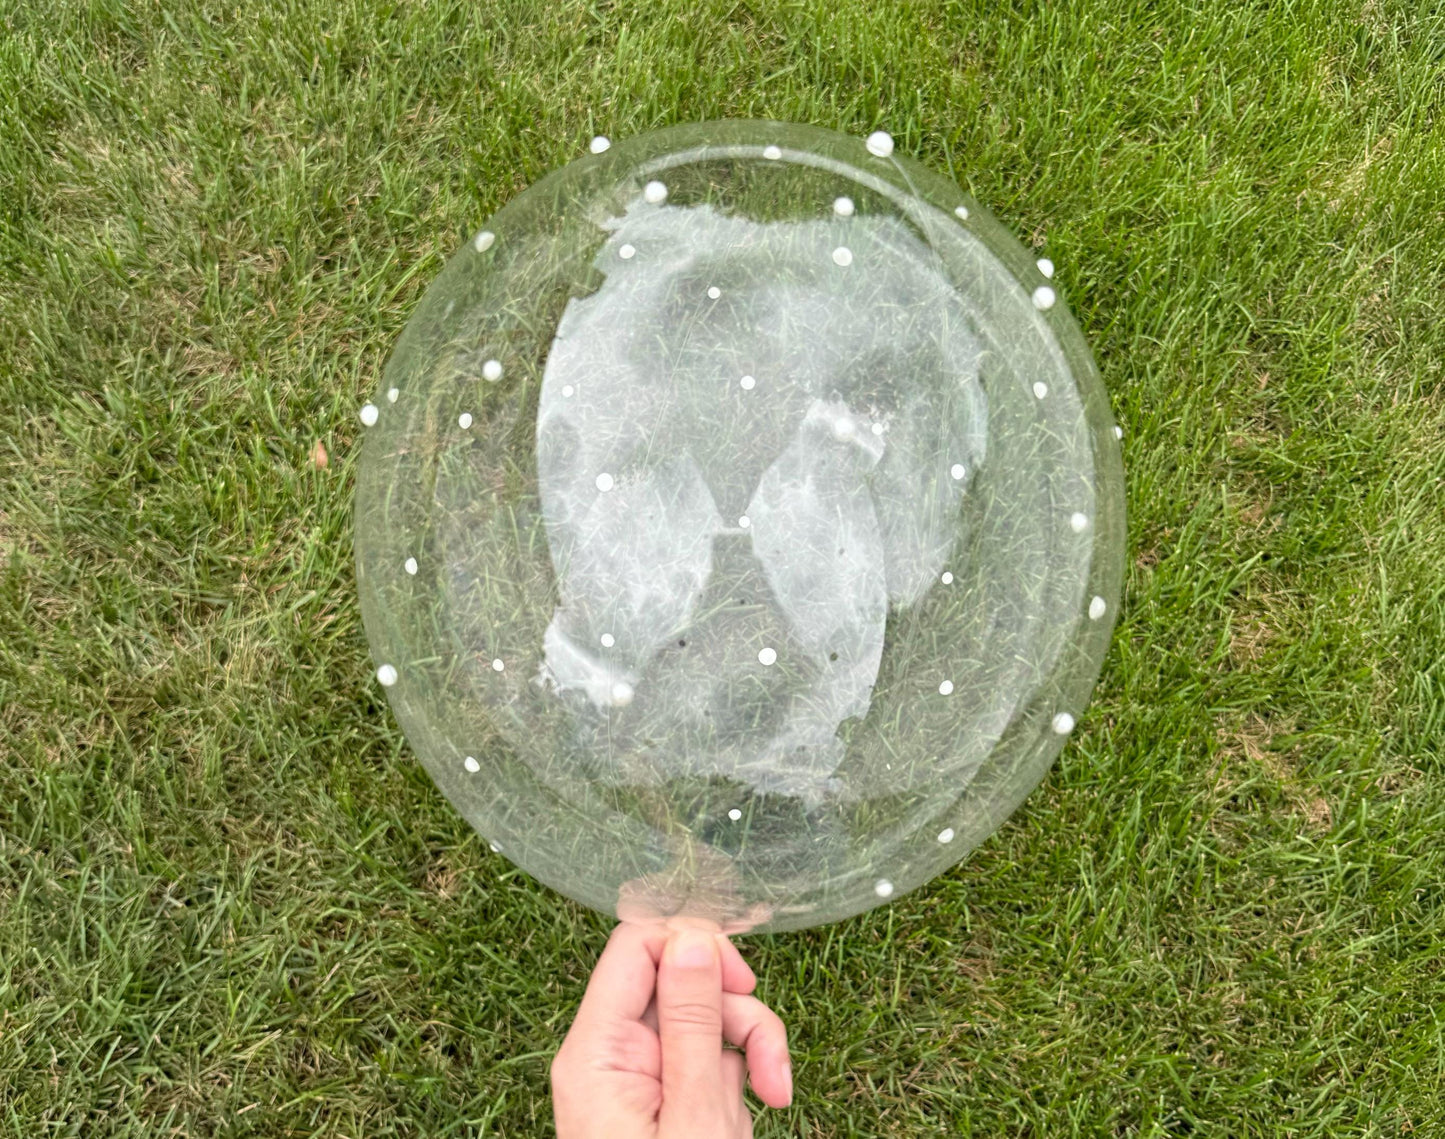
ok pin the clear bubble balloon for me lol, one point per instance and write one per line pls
(741, 533)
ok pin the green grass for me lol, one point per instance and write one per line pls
(230, 901)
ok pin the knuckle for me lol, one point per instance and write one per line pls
(691, 1016)
(634, 1052)
(563, 1066)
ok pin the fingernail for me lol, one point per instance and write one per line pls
(788, 1079)
(692, 949)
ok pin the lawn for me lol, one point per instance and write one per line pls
(231, 902)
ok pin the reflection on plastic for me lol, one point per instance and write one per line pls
(847, 511)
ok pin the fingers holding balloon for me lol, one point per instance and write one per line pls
(623, 981)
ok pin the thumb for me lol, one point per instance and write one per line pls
(689, 1023)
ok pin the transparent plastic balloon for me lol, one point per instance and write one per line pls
(740, 526)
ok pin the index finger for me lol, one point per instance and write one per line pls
(624, 978)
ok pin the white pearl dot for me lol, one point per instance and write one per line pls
(947, 578)
(747, 383)
(1097, 608)
(483, 241)
(877, 429)
(605, 482)
(772, 152)
(627, 252)
(843, 256)
(843, 428)
(767, 656)
(391, 395)
(880, 143)
(410, 566)
(1118, 432)
(843, 206)
(945, 835)
(1046, 267)
(498, 665)
(568, 391)
(655, 192)
(369, 414)
(1041, 389)
(622, 694)
(946, 688)
(608, 640)
(471, 764)
(599, 143)
(961, 213)
(464, 420)
(735, 814)
(1044, 297)
(387, 675)
(1078, 523)
(957, 471)
(883, 888)
(492, 371)
(744, 521)
(713, 292)
(1063, 723)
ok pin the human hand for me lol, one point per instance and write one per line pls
(644, 1058)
